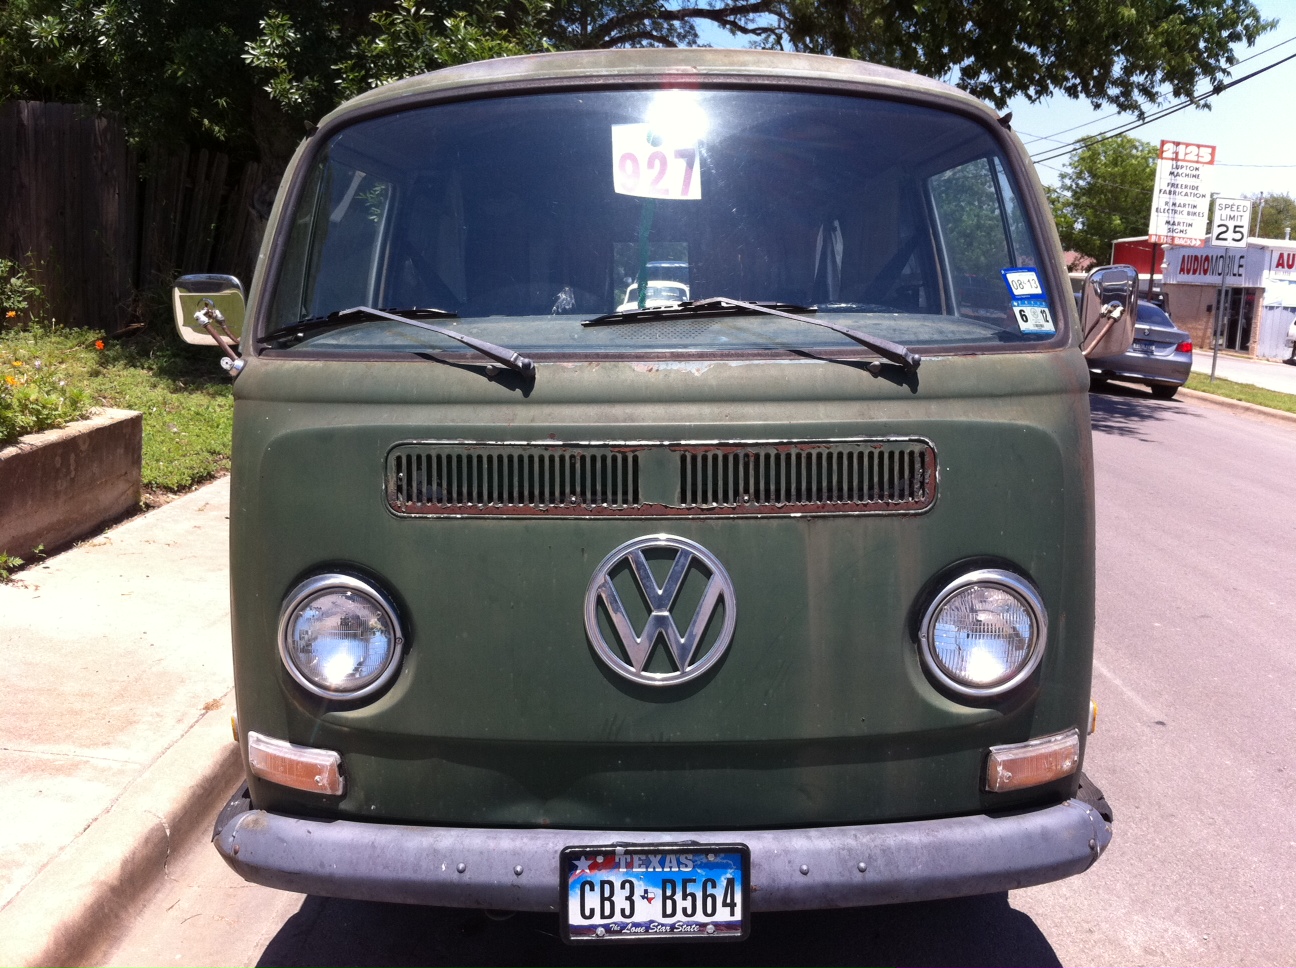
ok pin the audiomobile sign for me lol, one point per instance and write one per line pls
(1210, 265)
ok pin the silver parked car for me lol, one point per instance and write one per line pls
(1160, 356)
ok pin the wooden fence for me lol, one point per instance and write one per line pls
(98, 224)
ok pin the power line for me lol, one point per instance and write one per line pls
(1114, 114)
(1172, 109)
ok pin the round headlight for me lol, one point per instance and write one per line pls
(984, 633)
(339, 637)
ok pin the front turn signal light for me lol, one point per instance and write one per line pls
(1034, 762)
(299, 767)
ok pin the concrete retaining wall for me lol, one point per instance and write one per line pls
(62, 484)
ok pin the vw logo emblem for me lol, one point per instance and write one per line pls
(636, 647)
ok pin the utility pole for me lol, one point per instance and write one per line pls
(1260, 217)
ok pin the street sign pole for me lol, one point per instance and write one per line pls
(1215, 329)
(1229, 231)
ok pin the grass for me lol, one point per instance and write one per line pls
(1244, 392)
(185, 397)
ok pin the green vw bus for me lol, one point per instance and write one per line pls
(658, 614)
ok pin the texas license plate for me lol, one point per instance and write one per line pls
(665, 893)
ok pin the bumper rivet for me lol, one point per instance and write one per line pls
(518, 870)
(1093, 845)
(462, 867)
(805, 869)
(236, 846)
(862, 867)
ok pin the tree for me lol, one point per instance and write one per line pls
(1105, 193)
(244, 75)
(1274, 217)
(1109, 53)
(173, 67)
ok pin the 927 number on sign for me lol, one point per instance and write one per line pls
(652, 183)
(649, 163)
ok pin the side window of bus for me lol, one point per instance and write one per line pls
(356, 206)
(973, 232)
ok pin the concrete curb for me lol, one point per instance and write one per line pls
(1238, 406)
(75, 907)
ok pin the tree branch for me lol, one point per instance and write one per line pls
(610, 26)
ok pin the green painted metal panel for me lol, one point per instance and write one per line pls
(820, 711)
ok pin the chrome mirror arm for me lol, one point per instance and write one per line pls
(1111, 313)
(209, 317)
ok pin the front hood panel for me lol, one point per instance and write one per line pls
(504, 712)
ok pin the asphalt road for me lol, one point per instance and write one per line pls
(1195, 676)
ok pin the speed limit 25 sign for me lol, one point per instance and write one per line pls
(1232, 220)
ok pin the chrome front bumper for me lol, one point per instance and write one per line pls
(798, 869)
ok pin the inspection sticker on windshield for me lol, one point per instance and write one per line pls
(1023, 282)
(654, 163)
(1033, 316)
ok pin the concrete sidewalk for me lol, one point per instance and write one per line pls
(1269, 374)
(116, 672)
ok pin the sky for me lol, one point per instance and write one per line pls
(1252, 126)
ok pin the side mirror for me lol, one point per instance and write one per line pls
(193, 294)
(1108, 309)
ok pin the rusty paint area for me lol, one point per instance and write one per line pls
(636, 479)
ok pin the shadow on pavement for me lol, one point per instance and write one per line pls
(1123, 410)
(966, 931)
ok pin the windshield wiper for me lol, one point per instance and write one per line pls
(883, 347)
(499, 354)
(689, 309)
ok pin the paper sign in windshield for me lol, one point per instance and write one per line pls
(654, 164)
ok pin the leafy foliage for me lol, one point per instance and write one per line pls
(18, 293)
(1104, 194)
(234, 72)
(35, 394)
(319, 54)
(1273, 219)
(186, 400)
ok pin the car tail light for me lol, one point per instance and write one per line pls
(1184, 347)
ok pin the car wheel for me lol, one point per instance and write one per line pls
(1163, 392)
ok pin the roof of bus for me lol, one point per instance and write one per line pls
(665, 65)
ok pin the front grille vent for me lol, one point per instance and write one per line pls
(692, 479)
(815, 477)
(467, 479)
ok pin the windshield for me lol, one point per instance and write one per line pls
(526, 215)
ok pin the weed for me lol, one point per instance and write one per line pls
(8, 565)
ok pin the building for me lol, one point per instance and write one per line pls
(1259, 301)
(1145, 257)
